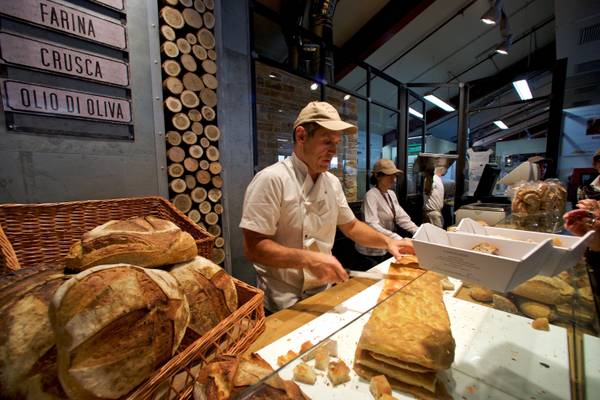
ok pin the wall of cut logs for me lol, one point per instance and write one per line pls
(190, 84)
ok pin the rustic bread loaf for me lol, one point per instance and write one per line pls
(210, 292)
(114, 325)
(142, 241)
(546, 290)
(228, 376)
(27, 345)
(504, 304)
(536, 310)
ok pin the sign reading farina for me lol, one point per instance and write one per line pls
(65, 60)
(24, 97)
(67, 19)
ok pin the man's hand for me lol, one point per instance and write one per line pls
(589, 205)
(585, 218)
(399, 247)
(325, 267)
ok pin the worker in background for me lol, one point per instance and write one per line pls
(382, 211)
(434, 198)
(592, 190)
(291, 211)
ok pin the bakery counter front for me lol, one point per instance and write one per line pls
(419, 334)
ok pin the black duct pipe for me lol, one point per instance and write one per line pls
(321, 24)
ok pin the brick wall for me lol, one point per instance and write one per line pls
(279, 98)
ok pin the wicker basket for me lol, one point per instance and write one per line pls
(43, 233)
(233, 335)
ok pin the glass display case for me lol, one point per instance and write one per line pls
(501, 348)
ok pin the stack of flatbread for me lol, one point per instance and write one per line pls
(408, 337)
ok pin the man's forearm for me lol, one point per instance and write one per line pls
(271, 254)
(364, 235)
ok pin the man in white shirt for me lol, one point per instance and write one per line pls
(292, 208)
(434, 201)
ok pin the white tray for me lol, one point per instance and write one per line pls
(563, 256)
(450, 253)
(498, 355)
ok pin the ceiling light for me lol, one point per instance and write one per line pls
(314, 86)
(500, 124)
(272, 76)
(490, 16)
(347, 97)
(439, 102)
(522, 89)
(504, 47)
(415, 112)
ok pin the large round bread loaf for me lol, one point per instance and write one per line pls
(210, 292)
(114, 325)
(143, 241)
(27, 345)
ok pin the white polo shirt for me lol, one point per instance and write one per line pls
(377, 209)
(435, 201)
(283, 202)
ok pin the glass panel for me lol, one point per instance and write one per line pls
(355, 81)
(383, 127)
(416, 132)
(269, 41)
(383, 91)
(346, 164)
(279, 98)
(500, 348)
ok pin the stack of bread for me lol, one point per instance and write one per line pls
(105, 330)
(564, 297)
(536, 197)
(555, 297)
(408, 337)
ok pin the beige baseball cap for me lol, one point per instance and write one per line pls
(325, 115)
(386, 166)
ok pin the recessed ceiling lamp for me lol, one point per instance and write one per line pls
(492, 15)
(347, 97)
(439, 102)
(415, 112)
(522, 89)
(272, 76)
(500, 124)
(314, 86)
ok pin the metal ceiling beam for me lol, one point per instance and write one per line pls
(540, 59)
(392, 18)
(541, 117)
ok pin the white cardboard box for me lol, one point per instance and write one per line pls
(450, 253)
(565, 254)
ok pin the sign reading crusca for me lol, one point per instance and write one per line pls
(67, 19)
(39, 54)
(29, 98)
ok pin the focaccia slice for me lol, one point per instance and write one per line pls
(399, 363)
(413, 325)
(425, 380)
(440, 390)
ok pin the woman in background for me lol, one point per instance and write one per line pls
(382, 211)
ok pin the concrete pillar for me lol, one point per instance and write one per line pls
(235, 121)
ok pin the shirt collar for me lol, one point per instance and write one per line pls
(301, 172)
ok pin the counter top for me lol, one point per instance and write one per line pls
(285, 321)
